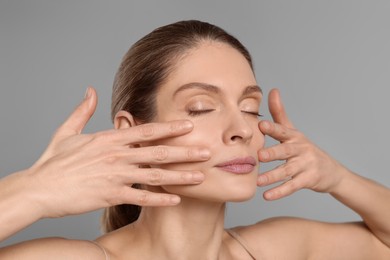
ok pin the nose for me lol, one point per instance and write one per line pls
(238, 129)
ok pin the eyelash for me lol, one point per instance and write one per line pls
(253, 113)
(200, 112)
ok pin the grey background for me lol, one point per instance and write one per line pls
(331, 60)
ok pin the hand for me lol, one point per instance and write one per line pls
(306, 166)
(84, 172)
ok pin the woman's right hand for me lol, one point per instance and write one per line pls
(79, 173)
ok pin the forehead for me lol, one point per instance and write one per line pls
(213, 63)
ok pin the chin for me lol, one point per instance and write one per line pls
(241, 195)
(219, 187)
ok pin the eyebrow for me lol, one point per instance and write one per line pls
(214, 89)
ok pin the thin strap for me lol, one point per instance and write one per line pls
(101, 247)
(237, 237)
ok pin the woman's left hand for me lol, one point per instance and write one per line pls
(306, 165)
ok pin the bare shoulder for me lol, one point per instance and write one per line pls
(52, 248)
(267, 237)
(297, 238)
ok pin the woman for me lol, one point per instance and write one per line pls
(192, 71)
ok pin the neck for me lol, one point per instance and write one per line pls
(191, 230)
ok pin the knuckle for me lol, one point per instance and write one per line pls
(174, 127)
(281, 130)
(283, 133)
(110, 178)
(293, 185)
(269, 178)
(288, 150)
(271, 154)
(110, 157)
(143, 197)
(160, 153)
(190, 154)
(289, 170)
(146, 130)
(264, 155)
(155, 177)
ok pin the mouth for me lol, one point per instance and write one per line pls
(241, 165)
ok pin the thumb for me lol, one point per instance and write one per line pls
(80, 116)
(276, 108)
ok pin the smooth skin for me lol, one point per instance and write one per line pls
(97, 167)
(308, 167)
(213, 86)
(299, 238)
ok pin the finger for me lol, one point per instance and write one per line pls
(80, 116)
(285, 189)
(158, 177)
(277, 110)
(149, 132)
(148, 198)
(276, 131)
(282, 151)
(165, 154)
(280, 173)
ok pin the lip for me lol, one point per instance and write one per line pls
(242, 165)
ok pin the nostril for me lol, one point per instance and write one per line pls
(236, 138)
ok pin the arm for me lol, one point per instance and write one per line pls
(99, 168)
(369, 199)
(53, 248)
(17, 206)
(307, 166)
(296, 239)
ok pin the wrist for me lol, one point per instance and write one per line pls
(344, 175)
(31, 194)
(17, 208)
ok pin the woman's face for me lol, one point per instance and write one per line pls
(214, 87)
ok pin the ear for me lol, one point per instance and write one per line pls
(124, 119)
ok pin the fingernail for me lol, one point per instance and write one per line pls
(88, 93)
(204, 153)
(269, 195)
(198, 177)
(175, 200)
(187, 125)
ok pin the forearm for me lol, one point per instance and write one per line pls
(17, 206)
(369, 199)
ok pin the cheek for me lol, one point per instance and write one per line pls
(201, 136)
(258, 139)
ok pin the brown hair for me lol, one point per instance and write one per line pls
(144, 68)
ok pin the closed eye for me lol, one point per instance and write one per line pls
(205, 111)
(199, 112)
(252, 113)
